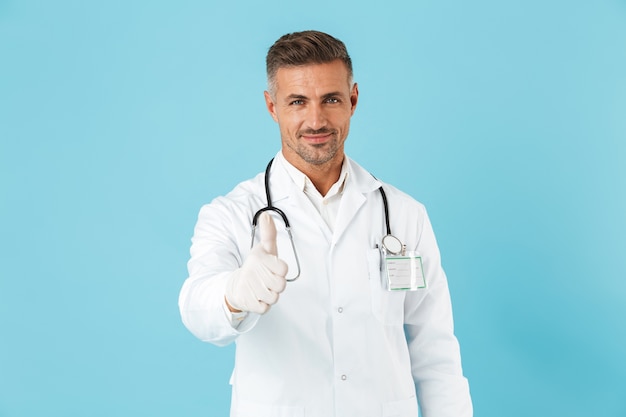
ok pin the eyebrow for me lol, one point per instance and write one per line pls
(333, 94)
(292, 97)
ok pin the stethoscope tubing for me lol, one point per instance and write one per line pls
(282, 214)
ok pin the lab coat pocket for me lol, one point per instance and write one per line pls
(402, 408)
(387, 306)
(257, 410)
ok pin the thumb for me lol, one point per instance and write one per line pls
(267, 233)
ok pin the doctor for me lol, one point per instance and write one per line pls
(317, 330)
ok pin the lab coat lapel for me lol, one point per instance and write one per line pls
(286, 195)
(359, 183)
(351, 201)
(289, 197)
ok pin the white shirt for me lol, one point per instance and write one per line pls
(336, 343)
(327, 206)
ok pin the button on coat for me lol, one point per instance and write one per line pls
(389, 349)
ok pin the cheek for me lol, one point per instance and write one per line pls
(342, 122)
(289, 124)
(287, 130)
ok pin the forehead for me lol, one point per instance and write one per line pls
(332, 76)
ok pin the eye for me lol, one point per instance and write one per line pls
(297, 103)
(332, 100)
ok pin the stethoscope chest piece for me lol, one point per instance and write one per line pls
(392, 245)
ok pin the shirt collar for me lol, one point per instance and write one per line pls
(304, 183)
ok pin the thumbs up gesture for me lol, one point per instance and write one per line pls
(255, 286)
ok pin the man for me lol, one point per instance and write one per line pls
(335, 341)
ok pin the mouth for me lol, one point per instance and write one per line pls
(317, 137)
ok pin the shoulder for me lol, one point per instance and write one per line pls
(402, 198)
(245, 197)
(395, 197)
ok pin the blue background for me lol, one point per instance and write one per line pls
(119, 119)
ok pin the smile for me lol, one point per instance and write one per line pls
(317, 137)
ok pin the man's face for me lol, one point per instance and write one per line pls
(312, 105)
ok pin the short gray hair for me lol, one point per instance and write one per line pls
(304, 48)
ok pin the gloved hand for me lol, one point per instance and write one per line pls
(255, 286)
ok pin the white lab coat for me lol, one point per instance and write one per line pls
(336, 343)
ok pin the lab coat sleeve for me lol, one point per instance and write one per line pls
(442, 389)
(215, 255)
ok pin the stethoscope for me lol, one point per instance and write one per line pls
(391, 244)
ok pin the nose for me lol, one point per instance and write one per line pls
(316, 116)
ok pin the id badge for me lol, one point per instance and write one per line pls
(404, 272)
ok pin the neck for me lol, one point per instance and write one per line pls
(323, 176)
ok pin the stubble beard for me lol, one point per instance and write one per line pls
(316, 154)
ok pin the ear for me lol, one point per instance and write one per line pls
(354, 97)
(271, 107)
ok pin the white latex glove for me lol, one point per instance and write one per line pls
(255, 286)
